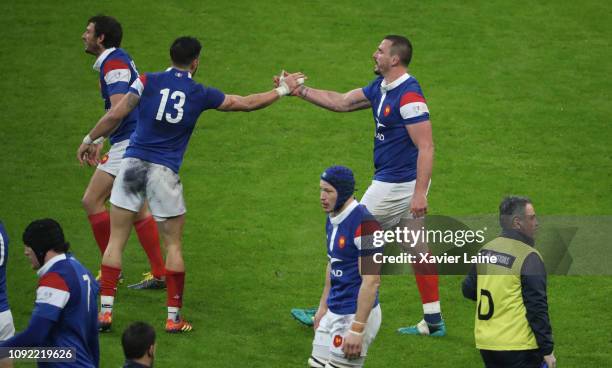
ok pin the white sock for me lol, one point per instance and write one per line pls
(106, 303)
(173, 313)
(431, 308)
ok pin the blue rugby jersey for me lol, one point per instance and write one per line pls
(349, 236)
(4, 243)
(170, 105)
(394, 106)
(66, 295)
(117, 73)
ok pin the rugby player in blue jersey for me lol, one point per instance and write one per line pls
(65, 312)
(117, 71)
(348, 317)
(403, 158)
(169, 104)
(7, 328)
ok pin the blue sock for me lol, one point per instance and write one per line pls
(433, 318)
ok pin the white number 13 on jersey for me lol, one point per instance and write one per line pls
(178, 106)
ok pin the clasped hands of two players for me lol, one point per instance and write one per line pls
(293, 82)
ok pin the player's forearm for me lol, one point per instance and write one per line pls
(105, 126)
(326, 288)
(367, 297)
(259, 100)
(329, 100)
(424, 169)
(34, 335)
(111, 120)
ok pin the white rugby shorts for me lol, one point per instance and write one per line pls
(332, 330)
(138, 180)
(111, 161)
(389, 202)
(7, 328)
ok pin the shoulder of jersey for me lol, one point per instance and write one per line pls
(365, 213)
(116, 61)
(412, 84)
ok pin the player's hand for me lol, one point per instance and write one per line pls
(550, 360)
(293, 81)
(83, 153)
(94, 157)
(352, 345)
(418, 205)
(318, 316)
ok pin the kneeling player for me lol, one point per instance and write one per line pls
(349, 316)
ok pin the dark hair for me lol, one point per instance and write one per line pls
(401, 47)
(45, 235)
(109, 27)
(184, 50)
(137, 339)
(511, 207)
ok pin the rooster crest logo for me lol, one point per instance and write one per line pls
(387, 110)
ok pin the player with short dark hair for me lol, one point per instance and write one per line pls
(348, 316)
(107, 28)
(138, 341)
(65, 312)
(401, 47)
(168, 106)
(117, 70)
(403, 159)
(512, 327)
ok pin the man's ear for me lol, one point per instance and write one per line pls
(395, 60)
(516, 222)
(100, 38)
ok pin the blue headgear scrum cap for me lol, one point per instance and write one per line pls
(342, 179)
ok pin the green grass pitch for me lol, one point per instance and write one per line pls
(520, 98)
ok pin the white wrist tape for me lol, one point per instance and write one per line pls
(87, 140)
(282, 89)
(99, 140)
(356, 333)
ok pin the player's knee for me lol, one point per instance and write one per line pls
(88, 204)
(317, 362)
(92, 204)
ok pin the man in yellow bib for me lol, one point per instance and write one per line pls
(512, 327)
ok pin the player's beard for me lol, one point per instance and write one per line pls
(92, 50)
(376, 69)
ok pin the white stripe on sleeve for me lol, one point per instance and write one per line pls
(138, 86)
(413, 109)
(53, 296)
(117, 75)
